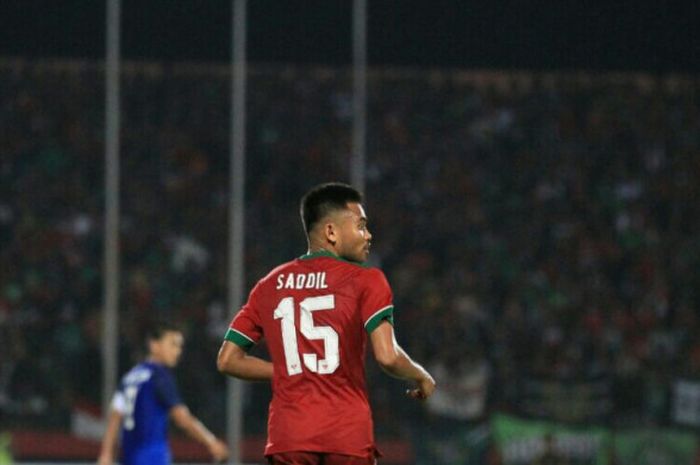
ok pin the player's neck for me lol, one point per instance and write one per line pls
(317, 248)
(154, 359)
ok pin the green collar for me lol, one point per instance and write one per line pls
(320, 253)
(326, 253)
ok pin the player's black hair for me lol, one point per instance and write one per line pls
(325, 198)
(157, 329)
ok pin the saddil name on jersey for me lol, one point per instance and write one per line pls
(315, 314)
(144, 399)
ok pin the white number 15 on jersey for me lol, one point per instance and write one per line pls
(285, 312)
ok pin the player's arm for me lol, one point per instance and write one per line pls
(109, 440)
(396, 362)
(182, 417)
(234, 361)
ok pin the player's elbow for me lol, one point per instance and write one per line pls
(231, 359)
(388, 360)
(181, 416)
(226, 363)
(221, 364)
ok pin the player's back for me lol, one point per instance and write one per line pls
(146, 394)
(315, 313)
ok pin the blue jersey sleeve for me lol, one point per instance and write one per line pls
(166, 389)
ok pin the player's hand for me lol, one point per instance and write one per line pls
(218, 450)
(425, 388)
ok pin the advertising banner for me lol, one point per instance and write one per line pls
(685, 402)
(527, 442)
(524, 442)
(655, 447)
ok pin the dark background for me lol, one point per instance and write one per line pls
(658, 36)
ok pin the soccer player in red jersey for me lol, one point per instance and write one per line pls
(316, 314)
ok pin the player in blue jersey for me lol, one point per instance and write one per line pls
(146, 398)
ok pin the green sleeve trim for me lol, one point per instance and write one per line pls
(386, 313)
(239, 339)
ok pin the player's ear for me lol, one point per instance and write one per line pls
(330, 232)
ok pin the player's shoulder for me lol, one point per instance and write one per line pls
(316, 259)
(282, 268)
(373, 272)
(156, 369)
(323, 262)
(375, 276)
(139, 373)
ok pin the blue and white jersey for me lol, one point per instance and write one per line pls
(144, 398)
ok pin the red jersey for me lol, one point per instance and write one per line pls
(315, 313)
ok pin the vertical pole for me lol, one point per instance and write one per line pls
(236, 261)
(110, 313)
(359, 121)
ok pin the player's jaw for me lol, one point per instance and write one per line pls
(365, 251)
(363, 248)
(357, 252)
(173, 360)
(356, 238)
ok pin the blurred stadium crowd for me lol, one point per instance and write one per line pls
(541, 233)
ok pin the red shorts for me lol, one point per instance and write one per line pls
(318, 458)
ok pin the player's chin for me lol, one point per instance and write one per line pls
(359, 256)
